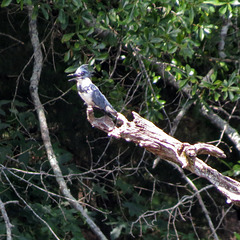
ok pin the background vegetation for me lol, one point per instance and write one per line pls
(174, 62)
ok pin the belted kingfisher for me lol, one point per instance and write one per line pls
(89, 92)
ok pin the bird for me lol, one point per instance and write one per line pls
(89, 92)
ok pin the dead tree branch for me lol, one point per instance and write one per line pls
(34, 81)
(147, 135)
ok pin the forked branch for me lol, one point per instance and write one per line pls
(147, 135)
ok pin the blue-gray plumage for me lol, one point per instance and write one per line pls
(89, 92)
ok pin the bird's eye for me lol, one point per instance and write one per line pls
(82, 73)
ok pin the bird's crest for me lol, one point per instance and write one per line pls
(84, 67)
(83, 70)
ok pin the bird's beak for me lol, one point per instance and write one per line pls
(72, 75)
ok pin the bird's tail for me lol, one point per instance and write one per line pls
(111, 110)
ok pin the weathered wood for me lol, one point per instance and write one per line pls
(147, 135)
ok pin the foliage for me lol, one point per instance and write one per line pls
(126, 42)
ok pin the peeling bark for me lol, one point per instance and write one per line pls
(147, 135)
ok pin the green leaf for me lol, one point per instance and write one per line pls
(64, 158)
(156, 40)
(225, 95)
(2, 112)
(67, 56)
(5, 3)
(67, 37)
(62, 16)
(101, 46)
(183, 83)
(235, 3)
(24, 158)
(186, 51)
(214, 2)
(223, 10)
(100, 190)
(125, 187)
(3, 102)
(201, 33)
(91, 30)
(188, 69)
(4, 125)
(194, 89)
(115, 233)
(173, 49)
(45, 13)
(87, 16)
(134, 208)
(19, 103)
(13, 110)
(70, 69)
(4, 151)
(191, 15)
(217, 82)
(206, 84)
(102, 56)
(231, 95)
(35, 13)
(77, 3)
(216, 96)
(237, 236)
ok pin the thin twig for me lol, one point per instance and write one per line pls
(29, 207)
(11, 37)
(179, 117)
(200, 200)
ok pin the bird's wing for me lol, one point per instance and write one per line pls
(98, 98)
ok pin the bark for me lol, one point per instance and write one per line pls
(226, 24)
(6, 220)
(147, 135)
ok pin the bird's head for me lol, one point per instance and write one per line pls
(82, 72)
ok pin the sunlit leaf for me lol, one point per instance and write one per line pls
(201, 33)
(115, 233)
(223, 10)
(235, 3)
(5, 3)
(216, 96)
(214, 2)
